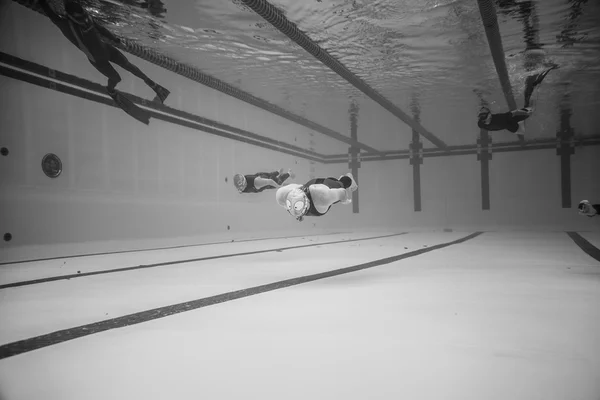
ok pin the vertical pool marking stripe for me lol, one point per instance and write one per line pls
(565, 150)
(584, 245)
(354, 153)
(484, 155)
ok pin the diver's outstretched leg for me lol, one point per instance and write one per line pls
(118, 58)
(350, 185)
(107, 70)
(532, 81)
(519, 116)
(123, 102)
(348, 181)
(129, 107)
(282, 177)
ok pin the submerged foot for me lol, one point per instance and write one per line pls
(540, 77)
(161, 93)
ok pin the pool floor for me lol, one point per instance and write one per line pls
(359, 315)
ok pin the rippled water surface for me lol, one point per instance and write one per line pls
(404, 49)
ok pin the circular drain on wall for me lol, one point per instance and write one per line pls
(51, 165)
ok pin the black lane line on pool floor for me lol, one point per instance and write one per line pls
(586, 246)
(181, 246)
(189, 260)
(50, 339)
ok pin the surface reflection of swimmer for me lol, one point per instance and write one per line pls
(569, 35)
(260, 181)
(587, 209)
(315, 197)
(86, 35)
(525, 11)
(510, 120)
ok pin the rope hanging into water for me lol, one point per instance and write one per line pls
(492, 31)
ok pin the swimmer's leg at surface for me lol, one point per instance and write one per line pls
(119, 58)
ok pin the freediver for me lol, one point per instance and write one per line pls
(511, 120)
(81, 30)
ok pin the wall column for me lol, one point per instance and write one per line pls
(354, 152)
